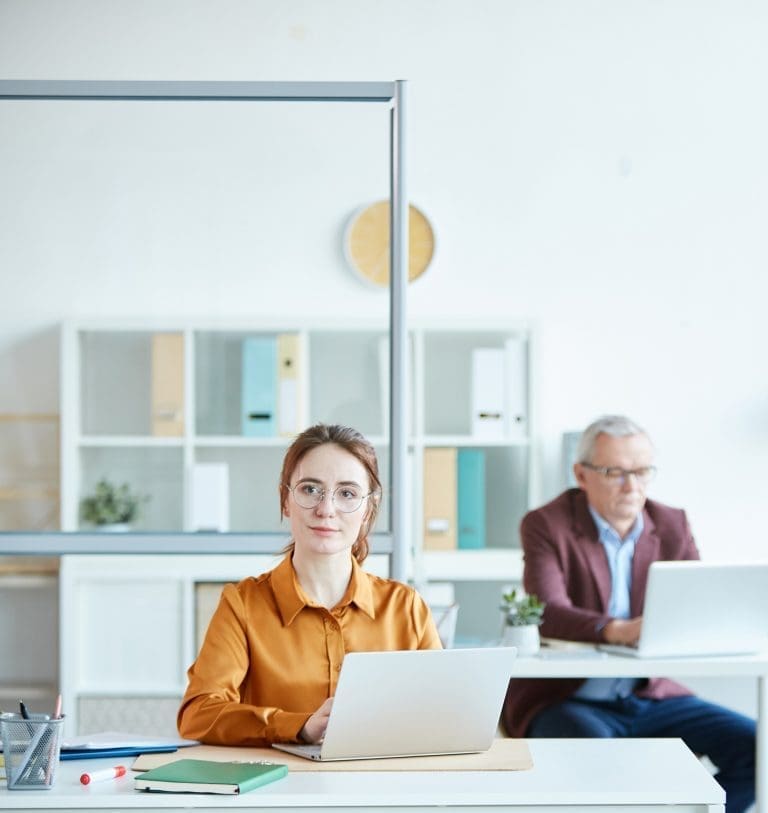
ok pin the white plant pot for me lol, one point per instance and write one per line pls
(114, 528)
(526, 639)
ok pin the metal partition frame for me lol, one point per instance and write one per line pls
(392, 94)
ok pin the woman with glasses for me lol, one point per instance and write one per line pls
(270, 661)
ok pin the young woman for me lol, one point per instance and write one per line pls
(270, 661)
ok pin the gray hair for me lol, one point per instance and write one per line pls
(617, 426)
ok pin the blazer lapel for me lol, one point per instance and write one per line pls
(594, 553)
(646, 551)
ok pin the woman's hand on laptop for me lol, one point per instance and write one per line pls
(314, 729)
(625, 632)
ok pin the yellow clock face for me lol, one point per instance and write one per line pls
(366, 243)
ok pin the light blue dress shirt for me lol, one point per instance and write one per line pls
(619, 553)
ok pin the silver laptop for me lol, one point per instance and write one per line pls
(702, 608)
(414, 703)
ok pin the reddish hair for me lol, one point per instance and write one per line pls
(350, 441)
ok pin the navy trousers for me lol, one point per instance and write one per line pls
(725, 737)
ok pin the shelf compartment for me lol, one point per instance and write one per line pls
(349, 379)
(116, 388)
(218, 366)
(153, 471)
(448, 362)
(254, 477)
(148, 613)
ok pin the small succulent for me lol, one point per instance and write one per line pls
(521, 610)
(110, 504)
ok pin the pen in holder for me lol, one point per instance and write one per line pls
(31, 749)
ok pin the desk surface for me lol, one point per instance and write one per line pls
(566, 773)
(586, 661)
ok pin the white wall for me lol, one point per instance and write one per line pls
(596, 167)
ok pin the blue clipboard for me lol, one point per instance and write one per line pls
(124, 751)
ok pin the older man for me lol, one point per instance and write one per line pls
(587, 555)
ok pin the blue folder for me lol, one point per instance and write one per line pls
(123, 751)
(471, 498)
(259, 387)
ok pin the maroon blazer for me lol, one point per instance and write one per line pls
(565, 565)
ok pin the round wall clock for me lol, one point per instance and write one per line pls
(366, 243)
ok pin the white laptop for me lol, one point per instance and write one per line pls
(414, 703)
(702, 608)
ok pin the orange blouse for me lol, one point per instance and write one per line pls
(271, 656)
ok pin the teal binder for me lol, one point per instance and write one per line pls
(471, 498)
(259, 387)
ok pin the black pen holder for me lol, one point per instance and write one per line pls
(31, 750)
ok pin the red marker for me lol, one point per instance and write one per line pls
(107, 773)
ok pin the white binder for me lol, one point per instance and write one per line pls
(499, 392)
(209, 497)
(488, 393)
(516, 374)
(290, 416)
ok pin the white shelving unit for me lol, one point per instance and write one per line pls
(107, 414)
(343, 377)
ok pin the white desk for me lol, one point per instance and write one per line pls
(588, 662)
(638, 776)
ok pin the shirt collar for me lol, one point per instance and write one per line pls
(606, 531)
(290, 598)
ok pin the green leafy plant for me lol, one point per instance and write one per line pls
(110, 504)
(521, 610)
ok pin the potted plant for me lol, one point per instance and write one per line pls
(111, 507)
(522, 617)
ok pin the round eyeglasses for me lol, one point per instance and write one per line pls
(347, 498)
(618, 476)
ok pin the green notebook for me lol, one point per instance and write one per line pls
(206, 776)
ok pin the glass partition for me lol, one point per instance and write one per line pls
(173, 240)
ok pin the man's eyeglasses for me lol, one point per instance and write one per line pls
(346, 498)
(619, 476)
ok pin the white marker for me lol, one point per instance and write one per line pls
(99, 776)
